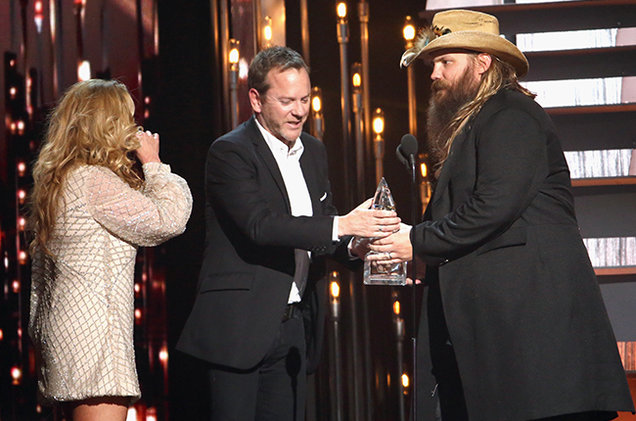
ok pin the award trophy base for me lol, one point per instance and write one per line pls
(382, 274)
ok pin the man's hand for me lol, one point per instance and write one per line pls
(359, 247)
(365, 222)
(395, 248)
(420, 268)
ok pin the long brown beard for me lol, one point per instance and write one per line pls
(446, 100)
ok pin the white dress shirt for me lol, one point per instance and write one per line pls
(288, 161)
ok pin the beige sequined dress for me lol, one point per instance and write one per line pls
(82, 300)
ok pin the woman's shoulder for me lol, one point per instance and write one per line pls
(88, 178)
(77, 177)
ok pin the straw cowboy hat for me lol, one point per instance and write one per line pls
(465, 30)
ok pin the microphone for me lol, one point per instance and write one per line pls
(406, 151)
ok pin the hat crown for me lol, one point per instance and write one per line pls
(464, 20)
(465, 30)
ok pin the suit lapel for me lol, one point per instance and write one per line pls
(441, 201)
(265, 155)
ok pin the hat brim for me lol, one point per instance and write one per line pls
(481, 42)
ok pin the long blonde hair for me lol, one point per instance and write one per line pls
(500, 75)
(92, 124)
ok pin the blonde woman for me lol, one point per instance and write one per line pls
(90, 213)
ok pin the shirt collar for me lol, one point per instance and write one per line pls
(279, 148)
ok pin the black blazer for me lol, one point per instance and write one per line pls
(248, 264)
(520, 298)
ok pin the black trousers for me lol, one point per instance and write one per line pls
(274, 390)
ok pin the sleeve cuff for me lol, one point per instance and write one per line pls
(334, 229)
(155, 168)
(349, 247)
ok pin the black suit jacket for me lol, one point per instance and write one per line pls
(520, 298)
(248, 263)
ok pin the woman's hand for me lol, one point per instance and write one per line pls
(148, 150)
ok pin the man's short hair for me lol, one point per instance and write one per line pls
(277, 57)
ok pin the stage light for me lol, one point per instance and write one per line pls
(334, 345)
(378, 122)
(357, 107)
(396, 307)
(13, 92)
(20, 127)
(83, 70)
(151, 414)
(267, 32)
(163, 355)
(233, 59)
(233, 55)
(342, 34)
(341, 10)
(316, 101)
(356, 80)
(408, 31)
(21, 167)
(423, 169)
(16, 375)
(15, 286)
(405, 381)
(131, 415)
(334, 295)
(317, 127)
(37, 15)
(334, 287)
(22, 257)
(21, 196)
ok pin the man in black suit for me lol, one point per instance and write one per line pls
(513, 325)
(257, 316)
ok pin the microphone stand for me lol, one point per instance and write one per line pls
(415, 216)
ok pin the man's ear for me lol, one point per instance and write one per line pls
(484, 60)
(255, 100)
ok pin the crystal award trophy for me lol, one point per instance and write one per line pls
(378, 273)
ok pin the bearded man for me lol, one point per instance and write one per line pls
(513, 324)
